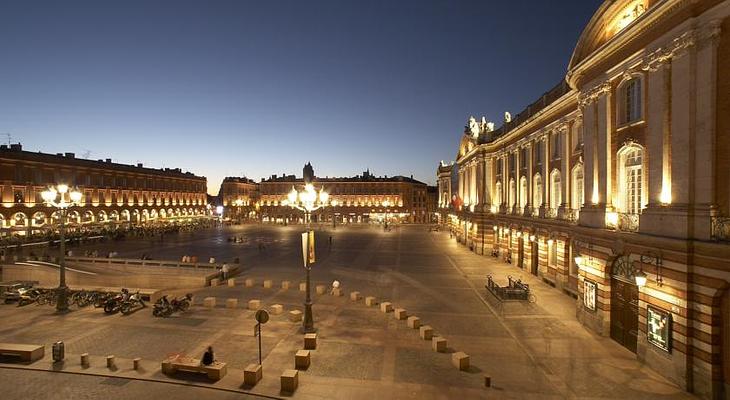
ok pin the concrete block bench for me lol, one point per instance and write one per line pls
(215, 371)
(254, 304)
(438, 344)
(232, 303)
(249, 282)
(295, 316)
(289, 380)
(285, 285)
(460, 360)
(277, 309)
(268, 284)
(252, 374)
(426, 332)
(371, 301)
(414, 322)
(215, 282)
(321, 289)
(110, 362)
(302, 359)
(209, 302)
(231, 283)
(355, 296)
(136, 363)
(26, 352)
(400, 314)
(386, 307)
(310, 341)
(302, 286)
(85, 359)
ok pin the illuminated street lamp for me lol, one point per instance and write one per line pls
(307, 201)
(60, 197)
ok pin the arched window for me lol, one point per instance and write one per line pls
(537, 191)
(578, 196)
(555, 194)
(498, 194)
(523, 193)
(511, 193)
(629, 101)
(631, 179)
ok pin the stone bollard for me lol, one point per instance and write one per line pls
(289, 380)
(231, 282)
(414, 322)
(232, 303)
(302, 286)
(277, 309)
(426, 332)
(85, 359)
(267, 284)
(321, 289)
(487, 381)
(254, 304)
(438, 344)
(355, 296)
(386, 307)
(302, 359)
(214, 282)
(110, 362)
(310, 341)
(209, 302)
(400, 314)
(248, 282)
(371, 301)
(460, 360)
(252, 374)
(136, 362)
(295, 316)
(285, 285)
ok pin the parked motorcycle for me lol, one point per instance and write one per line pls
(162, 308)
(114, 303)
(181, 304)
(133, 302)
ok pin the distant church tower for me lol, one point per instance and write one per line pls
(308, 173)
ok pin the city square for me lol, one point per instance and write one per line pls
(420, 199)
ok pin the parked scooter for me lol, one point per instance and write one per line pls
(113, 304)
(181, 304)
(133, 302)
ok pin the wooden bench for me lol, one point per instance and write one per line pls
(26, 352)
(215, 371)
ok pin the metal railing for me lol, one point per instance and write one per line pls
(628, 222)
(721, 228)
(515, 289)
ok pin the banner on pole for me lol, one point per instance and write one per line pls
(311, 247)
(308, 256)
(305, 247)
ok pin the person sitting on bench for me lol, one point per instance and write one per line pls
(208, 357)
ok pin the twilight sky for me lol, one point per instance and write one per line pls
(231, 88)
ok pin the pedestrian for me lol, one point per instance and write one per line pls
(224, 272)
(208, 356)
(335, 285)
(330, 240)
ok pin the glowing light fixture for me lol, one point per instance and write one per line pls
(640, 278)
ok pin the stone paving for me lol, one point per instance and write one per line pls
(537, 351)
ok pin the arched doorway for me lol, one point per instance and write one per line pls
(624, 303)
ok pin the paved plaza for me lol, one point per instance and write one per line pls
(531, 351)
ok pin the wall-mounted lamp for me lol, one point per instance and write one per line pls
(653, 258)
(532, 238)
(640, 277)
(495, 228)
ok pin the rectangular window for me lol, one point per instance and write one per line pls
(554, 253)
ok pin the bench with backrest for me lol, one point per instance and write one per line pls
(26, 352)
(215, 371)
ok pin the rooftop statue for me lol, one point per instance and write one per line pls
(473, 127)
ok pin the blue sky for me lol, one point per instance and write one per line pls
(224, 88)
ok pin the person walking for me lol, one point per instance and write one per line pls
(224, 272)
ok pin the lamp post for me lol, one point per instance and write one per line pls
(386, 204)
(307, 201)
(60, 197)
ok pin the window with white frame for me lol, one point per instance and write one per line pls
(578, 196)
(630, 104)
(631, 178)
(537, 191)
(523, 193)
(555, 194)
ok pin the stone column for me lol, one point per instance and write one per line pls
(593, 212)
(605, 154)
(528, 206)
(518, 186)
(487, 183)
(564, 170)
(545, 175)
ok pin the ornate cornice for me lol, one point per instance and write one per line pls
(592, 94)
(675, 47)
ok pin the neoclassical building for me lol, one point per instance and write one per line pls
(239, 196)
(113, 194)
(614, 187)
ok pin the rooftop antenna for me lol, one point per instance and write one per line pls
(10, 138)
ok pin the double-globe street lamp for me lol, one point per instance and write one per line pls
(63, 198)
(307, 201)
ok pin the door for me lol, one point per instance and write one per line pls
(533, 259)
(521, 253)
(624, 313)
